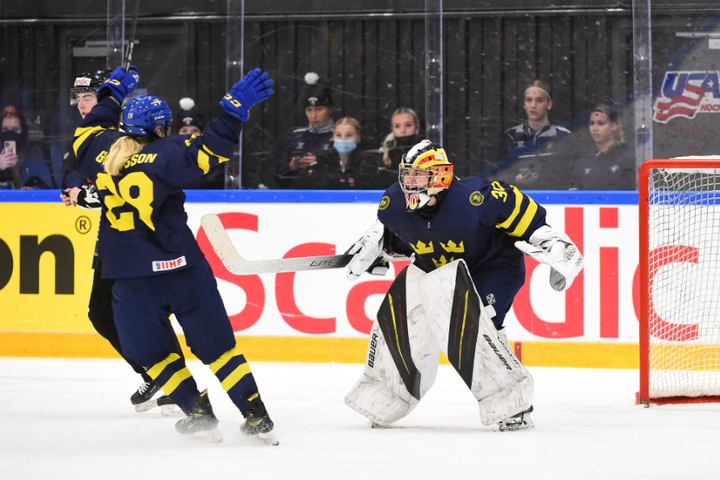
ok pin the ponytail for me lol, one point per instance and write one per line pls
(120, 152)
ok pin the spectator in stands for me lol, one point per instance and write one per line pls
(305, 143)
(611, 164)
(21, 163)
(405, 126)
(346, 165)
(531, 154)
(189, 122)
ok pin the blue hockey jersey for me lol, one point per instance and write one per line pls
(144, 225)
(478, 221)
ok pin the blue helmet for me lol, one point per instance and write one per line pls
(142, 114)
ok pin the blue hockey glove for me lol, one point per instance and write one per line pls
(247, 92)
(121, 84)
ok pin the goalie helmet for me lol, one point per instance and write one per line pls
(87, 82)
(424, 172)
(142, 114)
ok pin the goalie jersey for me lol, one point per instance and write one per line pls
(478, 221)
(144, 228)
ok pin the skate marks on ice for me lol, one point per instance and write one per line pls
(71, 419)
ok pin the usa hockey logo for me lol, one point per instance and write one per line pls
(684, 94)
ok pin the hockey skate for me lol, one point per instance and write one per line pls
(202, 422)
(521, 421)
(257, 421)
(168, 407)
(143, 397)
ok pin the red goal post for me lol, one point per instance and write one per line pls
(679, 281)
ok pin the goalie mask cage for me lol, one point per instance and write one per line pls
(679, 283)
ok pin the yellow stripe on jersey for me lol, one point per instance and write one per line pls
(235, 376)
(157, 369)
(210, 152)
(82, 134)
(526, 219)
(225, 358)
(175, 381)
(203, 161)
(203, 158)
(527, 216)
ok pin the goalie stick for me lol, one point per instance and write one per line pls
(237, 265)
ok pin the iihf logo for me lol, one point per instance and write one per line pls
(684, 94)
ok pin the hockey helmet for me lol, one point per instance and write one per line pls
(424, 172)
(87, 82)
(142, 114)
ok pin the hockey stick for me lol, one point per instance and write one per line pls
(129, 51)
(237, 265)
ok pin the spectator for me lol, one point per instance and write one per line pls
(21, 163)
(405, 126)
(346, 165)
(190, 122)
(530, 153)
(305, 143)
(611, 166)
(83, 96)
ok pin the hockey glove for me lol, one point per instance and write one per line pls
(369, 254)
(557, 250)
(246, 93)
(121, 84)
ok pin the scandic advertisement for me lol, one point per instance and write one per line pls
(46, 276)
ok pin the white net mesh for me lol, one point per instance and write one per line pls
(684, 282)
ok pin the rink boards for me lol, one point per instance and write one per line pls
(45, 278)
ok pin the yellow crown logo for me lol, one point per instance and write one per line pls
(442, 261)
(422, 249)
(452, 247)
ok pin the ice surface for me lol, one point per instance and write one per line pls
(72, 419)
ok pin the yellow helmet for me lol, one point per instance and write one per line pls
(424, 172)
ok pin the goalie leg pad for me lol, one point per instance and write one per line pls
(402, 358)
(467, 336)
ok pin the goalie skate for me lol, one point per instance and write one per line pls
(521, 421)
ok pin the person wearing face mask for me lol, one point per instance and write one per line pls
(21, 163)
(304, 144)
(346, 165)
(530, 154)
(611, 164)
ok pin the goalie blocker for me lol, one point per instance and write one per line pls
(419, 317)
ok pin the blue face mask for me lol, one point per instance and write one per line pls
(344, 146)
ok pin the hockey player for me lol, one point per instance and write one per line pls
(147, 247)
(83, 94)
(467, 237)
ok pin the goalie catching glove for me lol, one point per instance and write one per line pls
(557, 250)
(370, 254)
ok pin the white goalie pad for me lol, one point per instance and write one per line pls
(497, 379)
(382, 395)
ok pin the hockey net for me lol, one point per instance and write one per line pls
(679, 283)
